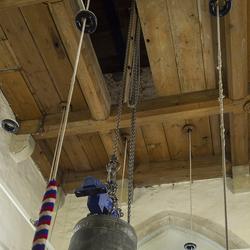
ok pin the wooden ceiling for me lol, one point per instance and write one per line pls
(38, 42)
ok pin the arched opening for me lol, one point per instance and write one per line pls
(170, 230)
(173, 237)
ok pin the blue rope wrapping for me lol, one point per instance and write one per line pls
(45, 217)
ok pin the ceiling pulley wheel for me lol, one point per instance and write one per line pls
(224, 6)
(91, 21)
(190, 246)
(10, 126)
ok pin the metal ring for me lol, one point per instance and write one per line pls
(91, 21)
(10, 126)
(190, 246)
(223, 10)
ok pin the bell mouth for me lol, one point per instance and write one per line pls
(10, 126)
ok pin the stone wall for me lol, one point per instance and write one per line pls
(25, 183)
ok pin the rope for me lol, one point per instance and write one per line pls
(49, 199)
(56, 147)
(135, 94)
(222, 126)
(124, 168)
(71, 90)
(190, 178)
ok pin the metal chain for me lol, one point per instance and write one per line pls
(135, 93)
(122, 87)
(113, 165)
(222, 125)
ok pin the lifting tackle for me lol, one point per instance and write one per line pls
(103, 229)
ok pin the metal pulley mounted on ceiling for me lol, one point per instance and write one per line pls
(224, 7)
(85, 15)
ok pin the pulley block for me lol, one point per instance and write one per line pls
(225, 7)
(91, 21)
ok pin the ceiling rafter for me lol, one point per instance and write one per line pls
(186, 106)
(157, 173)
(20, 3)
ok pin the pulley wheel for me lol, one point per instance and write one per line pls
(224, 8)
(91, 21)
(103, 232)
(190, 246)
(10, 126)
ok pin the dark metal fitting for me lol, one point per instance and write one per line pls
(91, 21)
(225, 7)
(190, 246)
(10, 126)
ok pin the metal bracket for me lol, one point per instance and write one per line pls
(188, 128)
(190, 246)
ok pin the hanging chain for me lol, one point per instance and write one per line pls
(113, 165)
(222, 126)
(122, 86)
(134, 97)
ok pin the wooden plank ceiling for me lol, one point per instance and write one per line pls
(38, 44)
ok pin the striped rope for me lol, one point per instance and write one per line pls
(49, 199)
(45, 217)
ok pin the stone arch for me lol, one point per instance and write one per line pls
(211, 230)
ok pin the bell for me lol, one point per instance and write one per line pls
(103, 232)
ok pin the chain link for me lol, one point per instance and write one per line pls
(134, 97)
(122, 86)
(113, 165)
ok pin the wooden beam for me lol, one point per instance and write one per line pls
(89, 74)
(19, 3)
(186, 106)
(237, 63)
(236, 41)
(157, 173)
(42, 161)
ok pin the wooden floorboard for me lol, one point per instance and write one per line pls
(19, 96)
(51, 48)
(30, 59)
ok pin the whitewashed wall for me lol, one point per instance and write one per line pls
(150, 202)
(25, 183)
(173, 238)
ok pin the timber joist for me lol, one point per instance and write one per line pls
(187, 106)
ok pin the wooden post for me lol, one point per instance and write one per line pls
(237, 68)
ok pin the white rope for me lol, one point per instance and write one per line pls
(56, 147)
(222, 127)
(124, 168)
(190, 178)
(66, 115)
